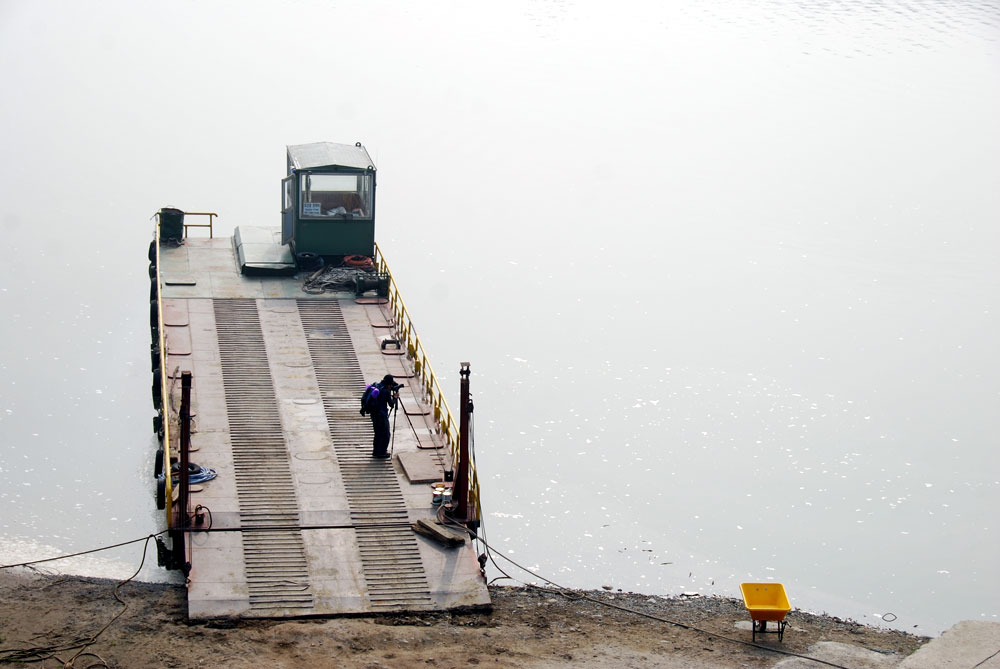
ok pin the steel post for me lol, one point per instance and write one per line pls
(178, 549)
(185, 416)
(460, 493)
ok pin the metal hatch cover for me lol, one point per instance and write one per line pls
(259, 251)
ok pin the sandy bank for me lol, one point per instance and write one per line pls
(527, 628)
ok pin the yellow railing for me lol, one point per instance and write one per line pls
(164, 386)
(211, 218)
(443, 417)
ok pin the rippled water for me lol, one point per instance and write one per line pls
(725, 273)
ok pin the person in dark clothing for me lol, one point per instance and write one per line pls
(385, 401)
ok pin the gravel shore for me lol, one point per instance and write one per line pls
(55, 617)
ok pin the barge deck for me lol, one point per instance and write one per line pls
(301, 520)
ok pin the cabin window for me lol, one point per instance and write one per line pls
(287, 191)
(335, 195)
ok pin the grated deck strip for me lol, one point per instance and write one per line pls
(390, 556)
(274, 559)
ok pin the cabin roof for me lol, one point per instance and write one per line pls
(329, 154)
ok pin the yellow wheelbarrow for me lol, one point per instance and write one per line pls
(766, 602)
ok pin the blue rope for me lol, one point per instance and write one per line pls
(204, 474)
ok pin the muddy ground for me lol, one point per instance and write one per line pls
(53, 617)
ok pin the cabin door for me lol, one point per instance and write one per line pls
(287, 209)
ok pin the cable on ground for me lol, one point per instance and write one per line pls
(979, 664)
(194, 518)
(80, 645)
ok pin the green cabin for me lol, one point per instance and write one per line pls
(328, 200)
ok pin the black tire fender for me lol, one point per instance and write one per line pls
(157, 390)
(161, 493)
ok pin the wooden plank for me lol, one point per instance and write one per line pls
(420, 467)
(438, 532)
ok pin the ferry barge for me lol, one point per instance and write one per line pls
(262, 345)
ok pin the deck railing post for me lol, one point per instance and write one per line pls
(461, 490)
(211, 221)
(185, 459)
(178, 549)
